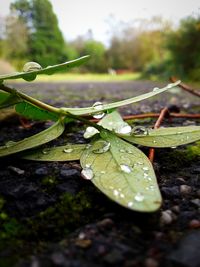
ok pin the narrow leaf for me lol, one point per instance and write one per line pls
(31, 75)
(92, 110)
(7, 99)
(166, 137)
(123, 173)
(36, 140)
(60, 153)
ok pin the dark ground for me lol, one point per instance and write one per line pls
(50, 216)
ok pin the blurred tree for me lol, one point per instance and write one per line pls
(45, 41)
(184, 46)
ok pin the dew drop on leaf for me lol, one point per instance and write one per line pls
(87, 173)
(45, 151)
(31, 66)
(124, 129)
(139, 130)
(104, 147)
(139, 197)
(67, 150)
(90, 131)
(125, 168)
(145, 168)
(130, 204)
(98, 106)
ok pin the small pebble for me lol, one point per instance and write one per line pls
(176, 209)
(166, 217)
(194, 224)
(83, 243)
(105, 223)
(16, 170)
(196, 202)
(150, 262)
(185, 189)
(41, 171)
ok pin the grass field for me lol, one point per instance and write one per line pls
(77, 77)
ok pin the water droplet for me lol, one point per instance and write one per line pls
(173, 147)
(123, 129)
(67, 150)
(98, 106)
(102, 172)
(140, 163)
(187, 137)
(9, 144)
(156, 89)
(129, 152)
(122, 150)
(125, 168)
(31, 66)
(139, 197)
(115, 192)
(145, 175)
(45, 151)
(122, 195)
(130, 204)
(90, 131)
(87, 173)
(151, 187)
(154, 141)
(139, 130)
(170, 85)
(145, 168)
(103, 147)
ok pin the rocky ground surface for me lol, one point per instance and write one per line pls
(50, 216)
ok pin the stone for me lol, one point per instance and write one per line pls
(186, 252)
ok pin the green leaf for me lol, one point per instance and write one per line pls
(122, 172)
(60, 153)
(33, 112)
(93, 110)
(30, 111)
(36, 140)
(7, 99)
(31, 75)
(166, 137)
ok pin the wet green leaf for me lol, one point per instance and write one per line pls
(30, 111)
(36, 140)
(33, 72)
(123, 173)
(7, 99)
(60, 153)
(93, 110)
(166, 137)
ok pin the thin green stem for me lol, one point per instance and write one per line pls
(30, 99)
(47, 107)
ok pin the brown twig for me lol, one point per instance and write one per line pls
(162, 115)
(185, 87)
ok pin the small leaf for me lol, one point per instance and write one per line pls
(60, 153)
(166, 137)
(7, 99)
(36, 140)
(123, 173)
(32, 74)
(92, 110)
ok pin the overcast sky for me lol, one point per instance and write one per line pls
(77, 16)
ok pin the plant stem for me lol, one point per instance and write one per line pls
(47, 107)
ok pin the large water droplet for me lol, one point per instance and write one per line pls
(139, 197)
(139, 130)
(115, 192)
(125, 168)
(102, 147)
(67, 150)
(123, 129)
(98, 106)
(31, 66)
(90, 131)
(87, 173)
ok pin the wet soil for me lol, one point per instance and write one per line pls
(50, 216)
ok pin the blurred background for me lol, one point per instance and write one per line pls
(132, 39)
